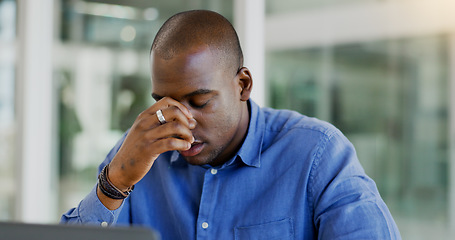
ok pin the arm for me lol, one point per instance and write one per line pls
(133, 157)
(346, 202)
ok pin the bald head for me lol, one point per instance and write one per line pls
(200, 28)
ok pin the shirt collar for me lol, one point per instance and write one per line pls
(250, 152)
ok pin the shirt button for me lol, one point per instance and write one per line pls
(205, 225)
(214, 171)
(104, 224)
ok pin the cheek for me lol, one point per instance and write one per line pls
(219, 123)
(226, 121)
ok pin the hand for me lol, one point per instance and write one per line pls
(148, 138)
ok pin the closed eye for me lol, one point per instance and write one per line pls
(198, 105)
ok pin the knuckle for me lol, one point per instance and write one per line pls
(143, 124)
(141, 115)
(140, 123)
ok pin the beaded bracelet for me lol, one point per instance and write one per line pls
(108, 188)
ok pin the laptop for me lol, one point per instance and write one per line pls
(27, 231)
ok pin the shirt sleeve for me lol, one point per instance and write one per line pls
(91, 211)
(346, 202)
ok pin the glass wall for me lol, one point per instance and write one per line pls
(7, 107)
(102, 70)
(390, 98)
(289, 6)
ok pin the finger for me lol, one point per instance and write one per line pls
(171, 130)
(163, 103)
(167, 102)
(146, 122)
(170, 144)
(175, 114)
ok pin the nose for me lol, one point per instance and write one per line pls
(194, 113)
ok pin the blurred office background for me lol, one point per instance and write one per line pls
(74, 74)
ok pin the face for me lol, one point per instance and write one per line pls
(215, 97)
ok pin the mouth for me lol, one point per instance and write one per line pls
(196, 148)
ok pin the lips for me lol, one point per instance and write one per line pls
(196, 148)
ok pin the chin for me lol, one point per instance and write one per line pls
(204, 157)
(197, 160)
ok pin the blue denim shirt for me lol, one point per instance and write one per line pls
(294, 177)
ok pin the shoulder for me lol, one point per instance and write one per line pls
(298, 136)
(288, 123)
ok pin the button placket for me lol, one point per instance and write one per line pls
(208, 201)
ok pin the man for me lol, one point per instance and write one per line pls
(206, 162)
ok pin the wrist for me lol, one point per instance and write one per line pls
(109, 189)
(118, 179)
(108, 202)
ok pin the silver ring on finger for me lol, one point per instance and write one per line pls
(160, 116)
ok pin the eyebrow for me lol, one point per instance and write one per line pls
(197, 92)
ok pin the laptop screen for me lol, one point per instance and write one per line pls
(25, 231)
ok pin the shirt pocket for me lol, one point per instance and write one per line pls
(281, 229)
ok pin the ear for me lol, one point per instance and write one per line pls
(245, 82)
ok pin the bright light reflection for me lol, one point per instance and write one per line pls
(108, 10)
(128, 33)
(151, 14)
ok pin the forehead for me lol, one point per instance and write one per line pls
(191, 70)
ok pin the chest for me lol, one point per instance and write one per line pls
(233, 203)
